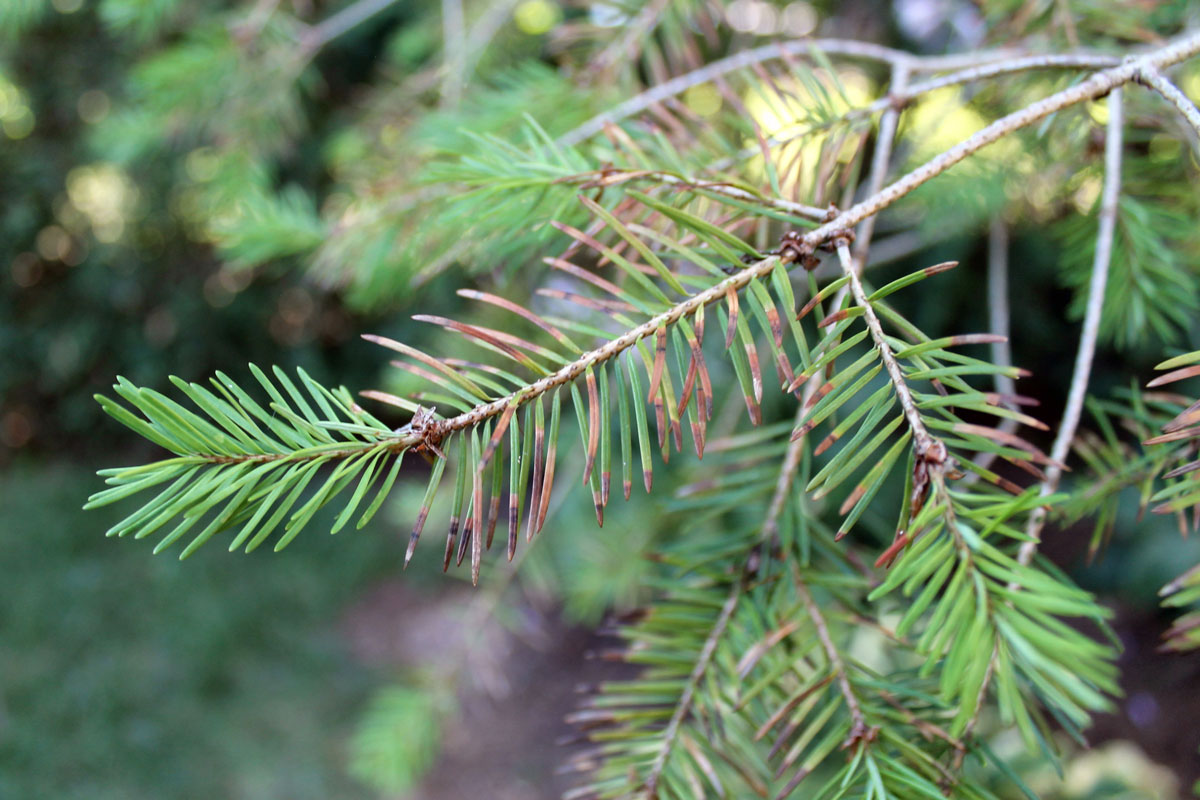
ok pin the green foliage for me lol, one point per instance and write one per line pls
(396, 740)
(774, 658)
(247, 465)
(1152, 292)
(141, 678)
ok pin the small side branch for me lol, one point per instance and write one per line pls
(1151, 77)
(612, 177)
(1091, 322)
(837, 47)
(343, 21)
(858, 721)
(922, 441)
(880, 160)
(684, 706)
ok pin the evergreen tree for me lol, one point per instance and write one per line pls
(849, 600)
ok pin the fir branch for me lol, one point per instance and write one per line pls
(612, 176)
(1098, 84)
(925, 444)
(1151, 77)
(716, 69)
(342, 22)
(1113, 150)
(880, 160)
(683, 707)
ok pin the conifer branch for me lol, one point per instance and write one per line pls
(611, 176)
(340, 23)
(684, 706)
(1151, 77)
(880, 160)
(1098, 84)
(1107, 222)
(769, 52)
(923, 441)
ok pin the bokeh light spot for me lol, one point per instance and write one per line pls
(703, 99)
(93, 106)
(536, 17)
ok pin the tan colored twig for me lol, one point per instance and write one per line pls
(858, 721)
(922, 440)
(321, 34)
(1091, 321)
(998, 323)
(770, 52)
(880, 160)
(1151, 77)
(611, 177)
(684, 706)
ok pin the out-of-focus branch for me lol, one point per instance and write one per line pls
(746, 58)
(1151, 77)
(999, 324)
(880, 161)
(453, 51)
(612, 177)
(1091, 320)
(343, 21)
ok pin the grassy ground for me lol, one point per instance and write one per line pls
(126, 675)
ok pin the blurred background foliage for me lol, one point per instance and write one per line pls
(191, 186)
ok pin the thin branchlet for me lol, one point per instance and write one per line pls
(1151, 77)
(1109, 197)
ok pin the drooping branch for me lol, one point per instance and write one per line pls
(1150, 76)
(1091, 322)
(922, 440)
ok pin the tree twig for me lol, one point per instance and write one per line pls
(343, 21)
(922, 440)
(1151, 77)
(768, 52)
(999, 323)
(1091, 321)
(611, 177)
(880, 160)
(858, 722)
